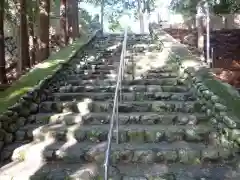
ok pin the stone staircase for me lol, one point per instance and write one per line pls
(164, 133)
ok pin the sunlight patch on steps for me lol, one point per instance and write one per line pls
(34, 153)
(83, 107)
(91, 169)
(189, 64)
(60, 118)
(113, 47)
(34, 164)
(153, 60)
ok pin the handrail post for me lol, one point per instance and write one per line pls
(117, 123)
(115, 113)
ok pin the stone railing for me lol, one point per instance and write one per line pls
(217, 108)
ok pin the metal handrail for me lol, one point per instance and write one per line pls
(117, 97)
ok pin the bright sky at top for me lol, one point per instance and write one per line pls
(162, 8)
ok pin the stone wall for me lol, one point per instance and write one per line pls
(225, 46)
(223, 43)
(185, 36)
(220, 115)
(225, 21)
(21, 113)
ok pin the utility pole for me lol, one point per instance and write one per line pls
(102, 16)
(204, 4)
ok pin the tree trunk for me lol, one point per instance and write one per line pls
(43, 41)
(72, 14)
(32, 38)
(19, 62)
(70, 20)
(63, 21)
(200, 30)
(140, 13)
(24, 52)
(3, 78)
(75, 19)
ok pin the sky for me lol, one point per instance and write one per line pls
(163, 10)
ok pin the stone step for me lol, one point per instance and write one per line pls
(100, 61)
(114, 67)
(100, 75)
(112, 81)
(128, 133)
(8, 149)
(176, 171)
(79, 69)
(131, 88)
(124, 171)
(186, 153)
(31, 170)
(132, 96)
(124, 118)
(113, 59)
(73, 72)
(26, 132)
(88, 105)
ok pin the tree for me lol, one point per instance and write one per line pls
(24, 38)
(3, 78)
(76, 33)
(140, 15)
(32, 16)
(188, 7)
(29, 22)
(43, 39)
(114, 9)
(72, 19)
(63, 21)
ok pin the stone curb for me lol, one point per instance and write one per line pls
(211, 104)
(215, 109)
(17, 115)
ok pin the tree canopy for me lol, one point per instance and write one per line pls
(114, 9)
(188, 7)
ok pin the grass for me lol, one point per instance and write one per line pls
(48, 67)
(232, 101)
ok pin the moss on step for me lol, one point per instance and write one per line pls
(11, 95)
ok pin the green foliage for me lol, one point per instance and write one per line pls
(11, 10)
(114, 24)
(226, 6)
(114, 9)
(85, 15)
(184, 7)
(188, 7)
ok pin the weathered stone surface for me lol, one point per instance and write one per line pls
(132, 134)
(231, 122)
(210, 154)
(166, 108)
(141, 118)
(107, 82)
(12, 127)
(219, 107)
(21, 121)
